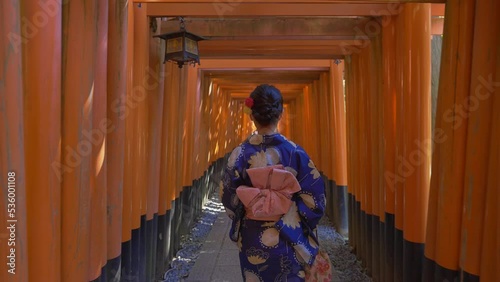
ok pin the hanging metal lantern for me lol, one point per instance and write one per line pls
(182, 46)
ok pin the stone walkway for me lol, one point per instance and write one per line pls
(218, 260)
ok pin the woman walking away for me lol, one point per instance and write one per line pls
(275, 196)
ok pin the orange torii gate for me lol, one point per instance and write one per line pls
(108, 144)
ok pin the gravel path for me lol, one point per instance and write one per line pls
(346, 265)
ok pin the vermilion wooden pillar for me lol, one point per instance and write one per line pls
(490, 257)
(191, 129)
(354, 151)
(140, 95)
(286, 121)
(339, 123)
(353, 97)
(448, 162)
(153, 82)
(115, 136)
(42, 130)
(349, 152)
(360, 194)
(230, 119)
(298, 107)
(187, 127)
(156, 89)
(127, 112)
(172, 95)
(479, 177)
(205, 117)
(335, 209)
(375, 125)
(170, 162)
(214, 125)
(389, 131)
(180, 157)
(182, 134)
(164, 193)
(366, 152)
(307, 117)
(324, 125)
(12, 151)
(79, 44)
(399, 151)
(337, 142)
(315, 115)
(98, 165)
(380, 253)
(199, 140)
(136, 139)
(203, 112)
(417, 134)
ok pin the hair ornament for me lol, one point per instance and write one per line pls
(248, 105)
(249, 102)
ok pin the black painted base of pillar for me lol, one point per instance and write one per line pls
(350, 219)
(433, 272)
(467, 277)
(364, 240)
(375, 248)
(390, 231)
(398, 255)
(162, 244)
(413, 258)
(382, 253)
(359, 230)
(445, 274)
(368, 243)
(341, 209)
(142, 249)
(150, 246)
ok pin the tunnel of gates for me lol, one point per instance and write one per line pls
(112, 153)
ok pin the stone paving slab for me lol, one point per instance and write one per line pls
(229, 258)
(227, 273)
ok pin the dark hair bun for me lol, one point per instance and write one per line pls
(267, 104)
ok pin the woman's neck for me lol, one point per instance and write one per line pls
(267, 130)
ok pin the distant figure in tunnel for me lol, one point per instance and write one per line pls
(274, 195)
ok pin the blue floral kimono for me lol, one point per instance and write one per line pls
(274, 250)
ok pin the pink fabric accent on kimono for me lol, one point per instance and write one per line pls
(321, 269)
(271, 197)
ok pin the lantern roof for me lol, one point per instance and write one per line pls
(179, 33)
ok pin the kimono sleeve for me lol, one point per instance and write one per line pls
(230, 181)
(310, 201)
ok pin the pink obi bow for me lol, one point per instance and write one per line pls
(271, 196)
